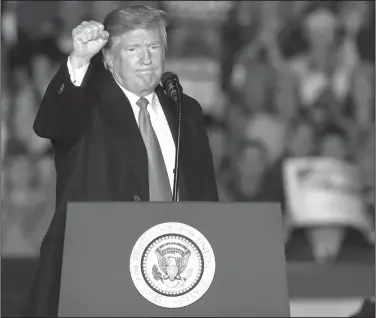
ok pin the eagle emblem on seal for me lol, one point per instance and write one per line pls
(172, 263)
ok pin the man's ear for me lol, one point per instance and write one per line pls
(107, 60)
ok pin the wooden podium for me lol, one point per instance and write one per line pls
(243, 273)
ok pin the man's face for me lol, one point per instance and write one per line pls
(136, 60)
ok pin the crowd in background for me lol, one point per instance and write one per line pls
(296, 80)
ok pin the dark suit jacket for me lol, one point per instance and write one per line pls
(367, 310)
(100, 156)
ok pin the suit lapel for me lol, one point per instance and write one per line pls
(116, 110)
(169, 109)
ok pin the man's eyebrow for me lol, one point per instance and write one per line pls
(155, 42)
(135, 44)
(132, 44)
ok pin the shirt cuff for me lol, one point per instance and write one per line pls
(78, 74)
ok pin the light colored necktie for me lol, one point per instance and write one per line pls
(159, 185)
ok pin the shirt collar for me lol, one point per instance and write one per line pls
(133, 98)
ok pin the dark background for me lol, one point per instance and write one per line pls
(295, 78)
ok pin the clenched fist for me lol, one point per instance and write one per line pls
(88, 39)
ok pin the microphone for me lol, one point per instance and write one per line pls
(170, 82)
(173, 89)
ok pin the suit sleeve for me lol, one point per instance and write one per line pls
(63, 112)
(210, 191)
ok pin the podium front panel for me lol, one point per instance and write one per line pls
(250, 269)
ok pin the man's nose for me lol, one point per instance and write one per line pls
(145, 57)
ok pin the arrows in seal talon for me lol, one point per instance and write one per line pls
(157, 274)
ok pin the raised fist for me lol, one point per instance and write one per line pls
(88, 39)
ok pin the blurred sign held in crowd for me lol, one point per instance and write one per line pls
(325, 192)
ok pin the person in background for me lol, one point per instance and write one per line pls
(248, 168)
(299, 142)
(282, 106)
(112, 128)
(248, 99)
(322, 67)
(240, 30)
(326, 241)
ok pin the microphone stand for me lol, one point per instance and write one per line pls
(177, 154)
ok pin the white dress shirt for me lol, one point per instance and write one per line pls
(157, 117)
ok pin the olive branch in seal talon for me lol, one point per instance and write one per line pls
(157, 274)
(189, 273)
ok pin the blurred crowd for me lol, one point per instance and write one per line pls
(296, 81)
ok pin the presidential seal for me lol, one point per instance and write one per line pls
(172, 265)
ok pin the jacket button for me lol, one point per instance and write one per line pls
(136, 198)
(61, 88)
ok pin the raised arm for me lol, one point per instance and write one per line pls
(62, 114)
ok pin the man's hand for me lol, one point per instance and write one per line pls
(88, 39)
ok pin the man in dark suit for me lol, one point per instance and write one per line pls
(113, 130)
